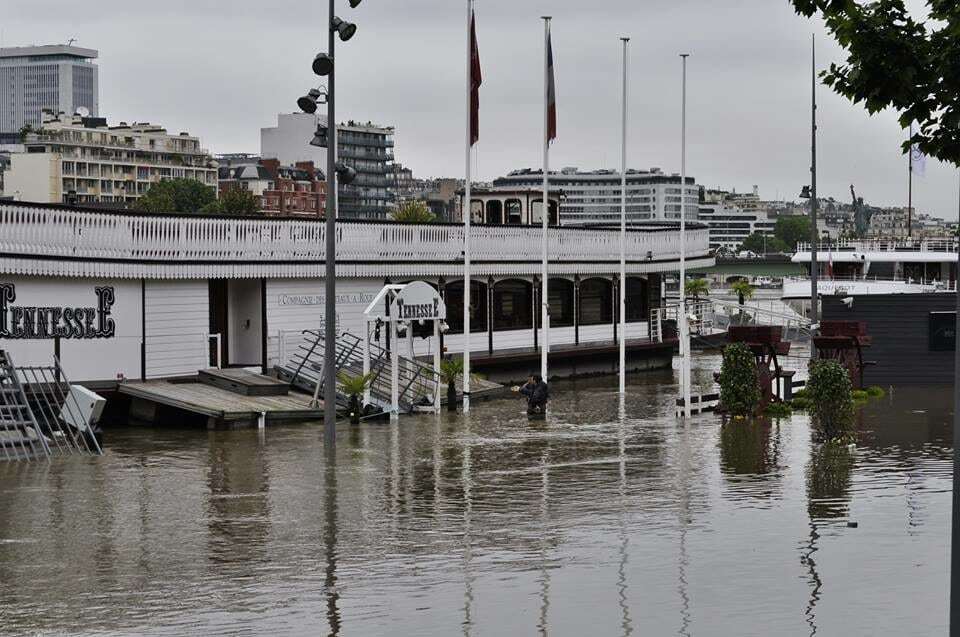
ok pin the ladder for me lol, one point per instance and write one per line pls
(20, 435)
(40, 415)
(304, 370)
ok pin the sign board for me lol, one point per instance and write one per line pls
(52, 321)
(418, 301)
(943, 331)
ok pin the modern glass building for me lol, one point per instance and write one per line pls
(368, 149)
(57, 77)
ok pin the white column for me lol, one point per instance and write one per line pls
(394, 370)
(366, 357)
(545, 211)
(685, 329)
(623, 229)
(466, 209)
(436, 365)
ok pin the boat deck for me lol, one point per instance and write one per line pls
(220, 406)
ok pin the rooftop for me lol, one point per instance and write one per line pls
(48, 49)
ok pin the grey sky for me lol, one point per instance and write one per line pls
(222, 70)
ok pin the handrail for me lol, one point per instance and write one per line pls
(932, 244)
(32, 230)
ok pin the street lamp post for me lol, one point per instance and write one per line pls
(323, 65)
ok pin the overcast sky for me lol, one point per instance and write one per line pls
(224, 69)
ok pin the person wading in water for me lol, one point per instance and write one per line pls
(537, 394)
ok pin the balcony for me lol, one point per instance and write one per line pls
(41, 239)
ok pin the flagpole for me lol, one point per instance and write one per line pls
(545, 208)
(623, 228)
(466, 212)
(685, 326)
(910, 187)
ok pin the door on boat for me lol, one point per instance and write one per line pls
(218, 323)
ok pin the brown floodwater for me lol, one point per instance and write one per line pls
(602, 520)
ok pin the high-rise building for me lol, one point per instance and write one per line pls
(593, 198)
(366, 148)
(81, 159)
(56, 77)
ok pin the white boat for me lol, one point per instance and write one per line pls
(137, 296)
(877, 266)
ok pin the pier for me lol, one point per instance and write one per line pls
(227, 399)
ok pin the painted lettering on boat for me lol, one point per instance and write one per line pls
(39, 322)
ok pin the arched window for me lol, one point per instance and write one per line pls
(494, 211)
(514, 211)
(536, 205)
(453, 298)
(512, 305)
(560, 292)
(596, 301)
(638, 300)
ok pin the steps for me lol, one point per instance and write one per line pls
(39, 414)
(304, 370)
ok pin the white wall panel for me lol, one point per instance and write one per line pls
(177, 327)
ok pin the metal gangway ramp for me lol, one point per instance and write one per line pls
(713, 316)
(40, 415)
(304, 370)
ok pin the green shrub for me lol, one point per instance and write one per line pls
(801, 403)
(800, 393)
(739, 389)
(876, 392)
(859, 395)
(831, 399)
(778, 410)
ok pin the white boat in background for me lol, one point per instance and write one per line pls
(876, 266)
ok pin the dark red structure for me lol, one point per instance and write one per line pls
(767, 344)
(844, 341)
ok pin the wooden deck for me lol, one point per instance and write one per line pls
(221, 407)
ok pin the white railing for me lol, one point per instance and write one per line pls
(946, 244)
(49, 231)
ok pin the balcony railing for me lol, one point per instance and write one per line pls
(946, 244)
(51, 231)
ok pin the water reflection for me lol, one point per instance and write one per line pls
(611, 517)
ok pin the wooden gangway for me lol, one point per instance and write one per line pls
(231, 399)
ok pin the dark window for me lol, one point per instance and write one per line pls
(453, 297)
(494, 212)
(596, 302)
(514, 211)
(512, 305)
(560, 292)
(637, 300)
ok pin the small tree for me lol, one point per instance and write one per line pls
(793, 229)
(354, 387)
(743, 289)
(739, 387)
(414, 212)
(237, 201)
(831, 399)
(450, 370)
(177, 195)
(696, 288)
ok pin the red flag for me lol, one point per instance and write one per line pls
(475, 81)
(551, 93)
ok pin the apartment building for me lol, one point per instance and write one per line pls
(78, 159)
(282, 191)
(594, 197)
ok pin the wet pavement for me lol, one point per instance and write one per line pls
(606, 519)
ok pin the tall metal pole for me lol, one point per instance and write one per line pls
(910, 188)
(330, 260)
(545, 209)
(684, 330)
(466, 212)
(623, 226)
(814, 235)
(955, 532)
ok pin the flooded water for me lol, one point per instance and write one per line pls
(591, 523)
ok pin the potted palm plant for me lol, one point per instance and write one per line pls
(743, 289)
(354, 387)
(450, 369)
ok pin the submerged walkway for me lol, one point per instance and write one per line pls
(221, 407)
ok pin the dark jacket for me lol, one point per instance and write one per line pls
(537, 395)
